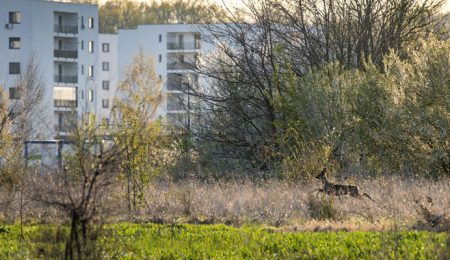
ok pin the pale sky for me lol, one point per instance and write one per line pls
(234, 3)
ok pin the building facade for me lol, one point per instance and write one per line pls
(63, 38)
(107, 77)
(176, 51)
(81, 68)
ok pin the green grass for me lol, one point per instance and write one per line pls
(131, 241)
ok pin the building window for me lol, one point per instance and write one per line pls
(105, 47)
(105, 66)
(14, 43)
(91, 95)
(14, 93)
(105, 103)
(14, 68)
(15, 17)
(105, 84)
(82, 45)
(82, 69)
(91, 22)
(91, 71)
(91, 46)
(160, 58)
(160, 38)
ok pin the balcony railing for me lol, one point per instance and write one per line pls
(177, 86)
(65, 103)
(66, 79)
(181, 66)
(69, 54)
(183, 46)
(60, 28)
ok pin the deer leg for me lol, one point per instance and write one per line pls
(367, 195)
(318, 191)
(360, 197)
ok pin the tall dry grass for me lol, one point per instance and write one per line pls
(271, 202)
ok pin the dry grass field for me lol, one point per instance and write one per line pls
(400, 204)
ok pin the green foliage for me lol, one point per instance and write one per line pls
(391, 120)
(120, 14)
(11, 163)
(137, 134)
(131, 241)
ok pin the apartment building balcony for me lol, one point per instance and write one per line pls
(66, 29)
(65, 23)
(61, 103)
(65, 121)
(71, 79)
(65, 97)
(181, 66)
(66, 54)
(183, 46)
(181, 82)
(176, 102)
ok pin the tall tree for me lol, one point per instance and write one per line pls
(272, 38)
(138, 132)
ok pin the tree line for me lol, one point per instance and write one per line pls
(350, 84)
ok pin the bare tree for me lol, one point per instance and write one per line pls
(25, 115)
(81, 185)
(260, 53)
(27, 102)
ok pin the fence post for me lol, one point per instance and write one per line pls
(60, 146)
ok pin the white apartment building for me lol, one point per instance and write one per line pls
(81, 68)
(64, 38)
(175, 50)
(108, 77)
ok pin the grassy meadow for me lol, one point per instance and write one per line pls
(232, 219)
(187, 241)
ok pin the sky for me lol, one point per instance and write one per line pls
(234, 3)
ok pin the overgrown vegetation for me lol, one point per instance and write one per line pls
(359, 87)
(218, 241)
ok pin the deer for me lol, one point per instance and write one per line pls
(339, 189)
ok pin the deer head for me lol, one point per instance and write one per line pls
(322, 175)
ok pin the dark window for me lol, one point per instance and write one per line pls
(160, 38)
(105, 84)
(105, 103)
(15, 17)
(82, 45)
(82, 69)
(160, 58)
(14, 93)
(105, 47)
(14, 68)
(14, 43)
(105, 66)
